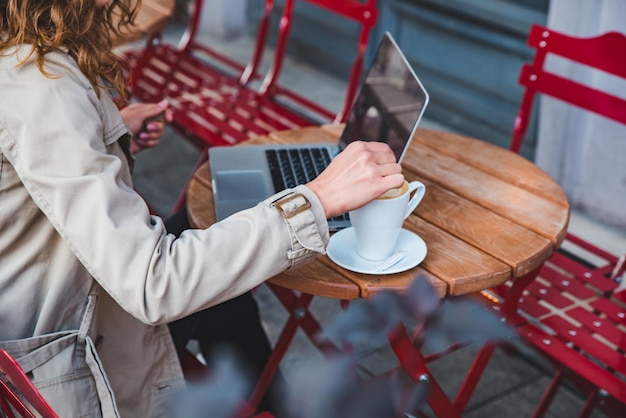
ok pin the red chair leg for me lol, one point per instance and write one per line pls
(590, 405)
(473, 376)
(549, 394)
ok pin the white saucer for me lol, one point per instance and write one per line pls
(342, 251)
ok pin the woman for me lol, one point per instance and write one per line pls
(88, 279)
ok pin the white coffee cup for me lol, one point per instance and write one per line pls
(377, 225)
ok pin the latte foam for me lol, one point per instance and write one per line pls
(393, 193)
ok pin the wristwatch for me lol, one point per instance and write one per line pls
(294, 208)
(292, 205)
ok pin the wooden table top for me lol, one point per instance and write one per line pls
(153, 16)
(488, 214)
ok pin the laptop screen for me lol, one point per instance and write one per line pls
(390, 103)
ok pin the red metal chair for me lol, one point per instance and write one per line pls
(213, 97)
(574, 310)
(211, 93)
(18, 396)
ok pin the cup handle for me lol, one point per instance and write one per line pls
(420, 189)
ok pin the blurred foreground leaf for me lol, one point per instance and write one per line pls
(331, 387)
(219, 395)
(464, 320)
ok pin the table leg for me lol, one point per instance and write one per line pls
(414, 364)
(299, 317)
(509, 305)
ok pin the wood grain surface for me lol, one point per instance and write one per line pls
(488, 215)
(153, 16)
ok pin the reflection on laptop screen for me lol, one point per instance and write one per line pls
(390, 103)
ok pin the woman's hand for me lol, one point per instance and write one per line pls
(359, 174)
(146, 121)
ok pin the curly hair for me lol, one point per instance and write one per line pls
(80, 27)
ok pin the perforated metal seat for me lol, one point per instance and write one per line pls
(216, 100)
(573, 309)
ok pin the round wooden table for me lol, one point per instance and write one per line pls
(488, 215)
(153, 16)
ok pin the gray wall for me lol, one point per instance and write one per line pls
(585, 153)
(466, 52)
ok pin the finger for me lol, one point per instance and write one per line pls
(148, 143)
(155, 108)
(155, 127)
(152, 127)
(383, 153)
(379, 151)
(150, 136)
(169, 115)
(159, 117)
(392, 181)
(389, 169)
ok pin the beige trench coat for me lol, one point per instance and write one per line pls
(71, 224)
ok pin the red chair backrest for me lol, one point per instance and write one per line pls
(606, 52)
(362, 12)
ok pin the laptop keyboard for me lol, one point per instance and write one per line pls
(292, 167)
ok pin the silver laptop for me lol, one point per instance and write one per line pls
(387, 108)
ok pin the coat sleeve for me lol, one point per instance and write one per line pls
(61, 143)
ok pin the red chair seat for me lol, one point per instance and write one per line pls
(212, 95)
(580, 327)
(208, 105)
(574, 311)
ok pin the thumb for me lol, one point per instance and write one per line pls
(154, 113)
(165, 110)
(163, 104)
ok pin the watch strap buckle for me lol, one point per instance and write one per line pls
(286, 210)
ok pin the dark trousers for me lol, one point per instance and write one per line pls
(234, 325)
